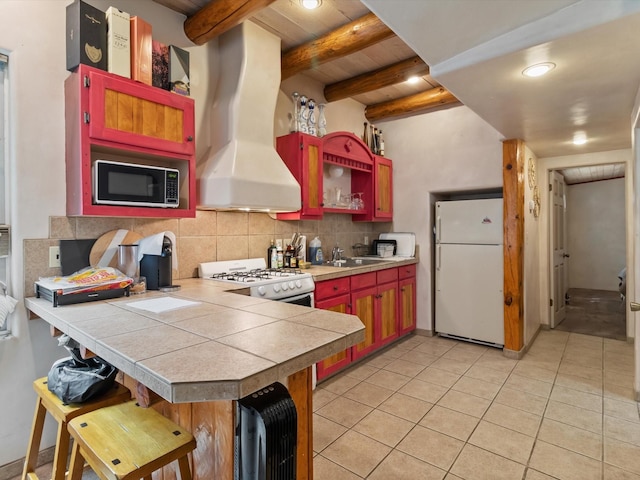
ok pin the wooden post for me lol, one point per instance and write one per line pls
(513, 216)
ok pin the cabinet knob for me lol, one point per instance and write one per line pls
(189, 138)
(335, 287)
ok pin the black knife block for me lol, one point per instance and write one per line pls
(157, 270)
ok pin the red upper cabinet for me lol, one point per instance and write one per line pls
(132, 113)
(108, 117)
(379, 188)
(383, 189)
(302, 153)
(371, 174)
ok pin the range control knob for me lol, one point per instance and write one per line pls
(298, 284)
(285, 286)
(276, 288)
(262, 291)
(292, 285)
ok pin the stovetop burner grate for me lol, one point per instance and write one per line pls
(257, 274)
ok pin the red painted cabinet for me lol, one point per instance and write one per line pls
(333, 295)
(406, 299)
(108, 117)
(382, 189)
(302, 154)
(386, 307)
(308, 157)
(364, 294)
(383, 300)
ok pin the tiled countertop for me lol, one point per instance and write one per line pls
(223, 348)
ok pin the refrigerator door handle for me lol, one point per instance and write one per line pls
(438, 228)
(438, 255)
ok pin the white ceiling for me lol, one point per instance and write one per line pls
(478, 49)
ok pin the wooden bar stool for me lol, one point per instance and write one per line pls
(127, 442)
(49, 402)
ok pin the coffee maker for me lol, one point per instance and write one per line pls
(157, 269)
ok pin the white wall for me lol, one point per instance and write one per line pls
(596, 234)
(448, 150)
(531, 255)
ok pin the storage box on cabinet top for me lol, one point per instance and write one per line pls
(86, 36)
(118, 42)
(178, 70)
(141, 38)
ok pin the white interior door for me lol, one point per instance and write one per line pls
(559, 255)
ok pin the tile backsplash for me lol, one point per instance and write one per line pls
(210, 236)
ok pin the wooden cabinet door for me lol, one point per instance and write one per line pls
(387, 312)
(302, 154)
(383, 188)
(131, 113)
(312, 181)
(406, 305)
(363, 304)
(340, 360)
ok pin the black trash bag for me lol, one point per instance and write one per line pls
(77, 380)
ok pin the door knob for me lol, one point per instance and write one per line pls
(635, 307)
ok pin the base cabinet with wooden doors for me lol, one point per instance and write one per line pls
(333, 295)
(384, 301)
(364, 296)
(109, 117)
(406, 299)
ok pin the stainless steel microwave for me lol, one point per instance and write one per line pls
(117, 183)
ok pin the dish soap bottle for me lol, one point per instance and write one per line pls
(315, 251)
(279, 257)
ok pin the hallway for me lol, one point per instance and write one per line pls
(432, 408)
(595, 312)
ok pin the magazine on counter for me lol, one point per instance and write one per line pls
(90, 279)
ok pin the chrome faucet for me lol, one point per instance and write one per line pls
(336, 253)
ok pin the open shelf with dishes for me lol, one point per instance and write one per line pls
(337, 174)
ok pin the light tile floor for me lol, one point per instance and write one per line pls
(433, 408)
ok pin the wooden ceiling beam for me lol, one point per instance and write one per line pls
(376, 79)
(413, 104)
(361, 33)
(219, 16)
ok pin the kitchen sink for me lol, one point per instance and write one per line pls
(356, 262)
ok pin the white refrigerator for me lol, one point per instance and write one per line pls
(468, 270)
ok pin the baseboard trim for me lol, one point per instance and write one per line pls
(423, 332)
(15, 468)
(514, 354)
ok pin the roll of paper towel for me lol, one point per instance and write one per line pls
(152, 245)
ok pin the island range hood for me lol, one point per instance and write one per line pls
(245, 172)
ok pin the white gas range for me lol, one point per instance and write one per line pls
(284, 284)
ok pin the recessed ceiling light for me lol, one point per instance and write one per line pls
(579, 138)
(413, 79)
(310, 4)
(538, 69)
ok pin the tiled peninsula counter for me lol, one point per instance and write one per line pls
(201, 358)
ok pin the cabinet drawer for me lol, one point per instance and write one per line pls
(363, 280)
(331, 288)
(407, 271)
(388, 275)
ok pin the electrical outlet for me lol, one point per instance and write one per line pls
(54, 257)
(366, 240)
